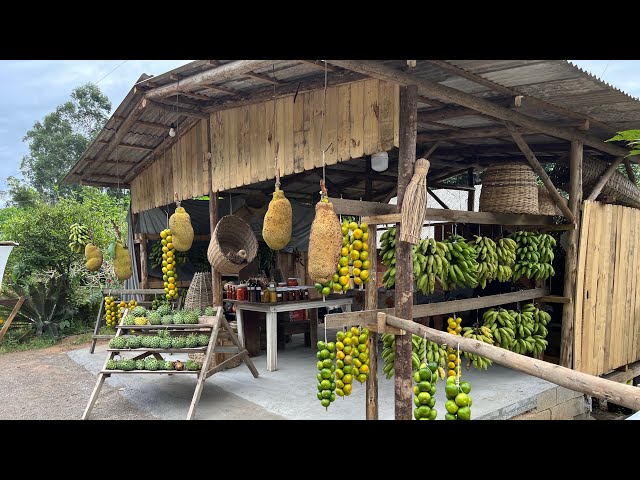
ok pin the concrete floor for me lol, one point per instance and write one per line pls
(290, 392)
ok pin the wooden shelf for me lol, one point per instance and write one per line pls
(179, 372)
(160, 350)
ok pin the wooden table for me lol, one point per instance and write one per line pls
(271, 310)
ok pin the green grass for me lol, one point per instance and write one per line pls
(11, 344)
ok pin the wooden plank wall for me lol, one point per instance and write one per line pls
(607, 322)
(360, 120)
(183, 168)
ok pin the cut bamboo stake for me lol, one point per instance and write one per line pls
(414, 205)
(533, 161)
(604, 178)
(615, 392)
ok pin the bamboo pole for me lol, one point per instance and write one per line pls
(604, 178)
(371, 299)
(404, 265)
(571, 262)
(615, 392)
(216, 277)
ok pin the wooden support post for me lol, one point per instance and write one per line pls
(630, 174)
(620, 394)
(404, 267)
(12, 315)
(571, 262)
(216, 277)
(533, 161)
(144, 264)
(371, 303)
(471, 194)
(604, 178)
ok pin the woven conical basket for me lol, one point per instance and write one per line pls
(231, 235)
(200, 293)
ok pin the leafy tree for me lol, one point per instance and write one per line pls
(632, 137)
(56, 143)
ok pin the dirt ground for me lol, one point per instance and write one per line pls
(46, 384)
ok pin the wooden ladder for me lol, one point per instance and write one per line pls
(217, 322)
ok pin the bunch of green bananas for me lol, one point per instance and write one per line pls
(388, 253)
(506, 252)
(420, 350)
(438, 354)
(429, 263)
(502, 326)
(388, 354)
(524, 325)
(79, 237)
(487, 259)
(539, 330)
(482, 334)
(534, 254)
(463, 267)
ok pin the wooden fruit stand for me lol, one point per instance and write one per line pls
(225, 143)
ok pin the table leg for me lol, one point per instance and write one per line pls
(240, 326)
(313, 326)
(272, 341)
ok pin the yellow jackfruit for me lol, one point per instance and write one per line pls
(325, 242)
(122, 262)
(93, 257)
(276, 227)
(181, 230)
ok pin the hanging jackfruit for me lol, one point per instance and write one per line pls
(181, 229)
(325, 241)
(122, 262)
(93, 257)
(276, 227)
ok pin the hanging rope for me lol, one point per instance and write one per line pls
(458, 369)
(276, 144)
(324, 150)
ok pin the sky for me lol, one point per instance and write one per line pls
(33, 88)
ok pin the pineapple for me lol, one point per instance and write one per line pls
(139, 364)
(164, 309)
(167, 320)
(168, 365)
(209, 311)
(112, 364)
(128, 364)
(154, 342)
(155, 318)
(179, 318)
(140, 320)
(165, 343)
(133, 342)
(178, 342)
(191, 341)
(139, 312)
(191, 317)
(145, 341)
(129, 320)
(203, 340)
(193, 365)
(150, 363)
(118, 343)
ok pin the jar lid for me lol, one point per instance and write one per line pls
(242, 285)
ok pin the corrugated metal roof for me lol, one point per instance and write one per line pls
(560, 83)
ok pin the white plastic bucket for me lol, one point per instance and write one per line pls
(5, 251)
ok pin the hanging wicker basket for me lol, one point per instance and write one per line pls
(546, 205)
(200, 293)
(233, 245)
(509, 188)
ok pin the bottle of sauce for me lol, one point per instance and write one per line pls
(273, 295)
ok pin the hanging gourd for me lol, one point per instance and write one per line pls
(325, 240)
(277, 224)
(121, 257)
(181, 229)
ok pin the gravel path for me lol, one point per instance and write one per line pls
(47, 385)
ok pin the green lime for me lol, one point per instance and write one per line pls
(433, 414)
(432, 402)
(424, 411)
(318, 356)
(363, 357)
(340, 336)
(326, 291)
(424, 386)
(325, 384)
(325, 402)
(336, 277)
(416, 413)
(416, 401)
(362, 347)
(326, 373)
(450, 416)
(348, 378)
(339, 383)
(362, 377)
(320, 397)
(425, 374)
(320, 387)
(332, 367)
(332, 398)
(464, 413)
(451, 391)
(339, 392)
(339, 373)
(326, 393)
(462, 399)
(332, 355)
(321, 345)
(319, 377)
(318, 286)
(363, 338)
(416, 377)
(326, 363)
(347, 369)
(433, 390)
(339, 363)
(331, 346)
(320, 364)
(465, 387)
(424, 397)
(451, 379)
(325, 353)
(451, 406)
(433, 366)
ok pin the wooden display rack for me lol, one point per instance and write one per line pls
(107, 293)
(212, 325)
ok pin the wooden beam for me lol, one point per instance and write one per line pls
(264, 77)
(222, 89)
(216, 74)
(354, 207)
(629, 170)
(446, 113)
(464, 133)
(450, 172)
(618, 393)
(532, 101)
(404, 267)
(555, 299)
(571, 262)
(371, 303)
(182, 110)
(533, 161)
(196, 96)
(438, 308)
(632, 371)
(437, 199)
(320, 64)
(602, 181)
(427, 87)
(128, 145)
(123, 129)
(464, 216)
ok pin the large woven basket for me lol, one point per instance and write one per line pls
(509, 188)
(231, 235)
(546, 205)
(200, 293)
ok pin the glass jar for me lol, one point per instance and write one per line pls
(265, 295)
(292, 282)
(279, 294)
(242, 293)
(298, 294)
(305, 294)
